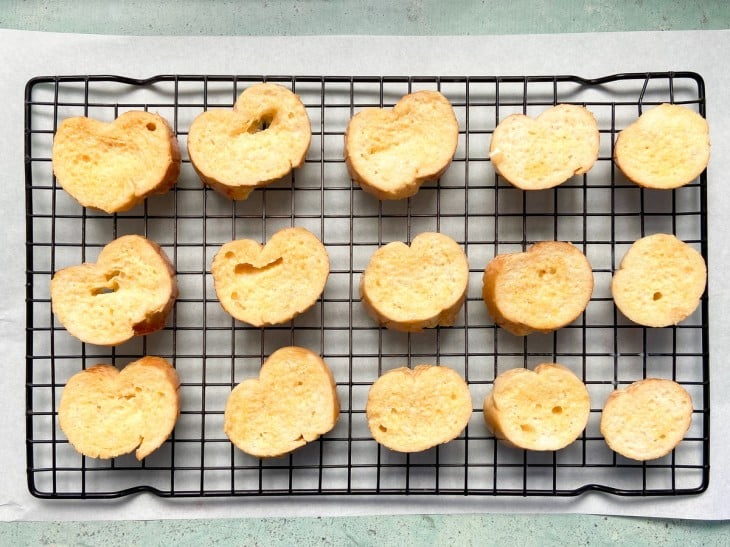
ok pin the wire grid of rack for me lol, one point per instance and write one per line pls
(601, 212)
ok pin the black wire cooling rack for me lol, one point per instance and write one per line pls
(601, 212)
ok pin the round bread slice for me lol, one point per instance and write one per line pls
(667, 147)
(271, 284)
(542, 410)
(391, 153)
(264, 137)
(534, 154)
(647, 420)
(129, 291)
(115, 166)
(660, 281)
(292, 402)
(106, 413)
(410, 410)
(540, 290)
(412, 288)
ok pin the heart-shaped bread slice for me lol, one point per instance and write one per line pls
(412, 288)
(544, 409)
(667, 147)
(261, 140)
(410, 410)
(391, 153)
(534, 154)
(271, 284)
(292, 402)
(660, 281)
(647, 420)
(128, 291)
(541, 290)
(106, 413)
(114, 166)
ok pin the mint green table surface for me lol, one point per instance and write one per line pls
(408, 17)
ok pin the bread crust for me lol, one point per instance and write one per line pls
(660, 281)
(391, 153)
(115, 166)
(105, 413)
(264, 137)
(411, 410)
(129, 291)
(541, 290)
(273, 283)
(646, 420)
(293, 402)
(540, 153)
(667, 147)
(412, 288)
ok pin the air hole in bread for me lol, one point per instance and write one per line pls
(85, 157)
(527, 428)
(244, 268)
(657, 295)
(108, 289)
(151, 126)
(262, 124)
(383, 428)
(557, 410)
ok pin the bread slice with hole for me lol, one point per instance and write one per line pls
(264, 137)
(668, 146)
(540, 153)
(660, 281)
(292, 402)
(411, 410)
(115, 166)
(391, 153)
(410, 288)
(647, 419)
(273, 283)
(540, 290)
(129, 291)
(106, 413)
(544, 409)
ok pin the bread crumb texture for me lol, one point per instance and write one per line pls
(647, 420)
(410, 410)
(264, 137)
(667, 147)
(129, 291)
(115, 166)
(412, 288)
(660, 281)
(106, 413)
(292, 402)
(541, 290)
(271, 284)
(391, 153)
(544, 409)
(534, 154)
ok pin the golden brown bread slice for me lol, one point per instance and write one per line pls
(541, 290)
(544, 409)
(667, 147)
(292, 402)
(391, 153)
(410, 410)
(534, 154)
(114, 166)
(129, 291)
(271, 284)
(261, 140)
(106, 413)
(660, 281)
(412, 288)
(647, 420)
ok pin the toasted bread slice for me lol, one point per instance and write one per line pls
(667, 147)
(292, 402)
(410, 410)
(115, 166)
(129, 291)
(660, 281)
(106, 413)
(391, 153)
